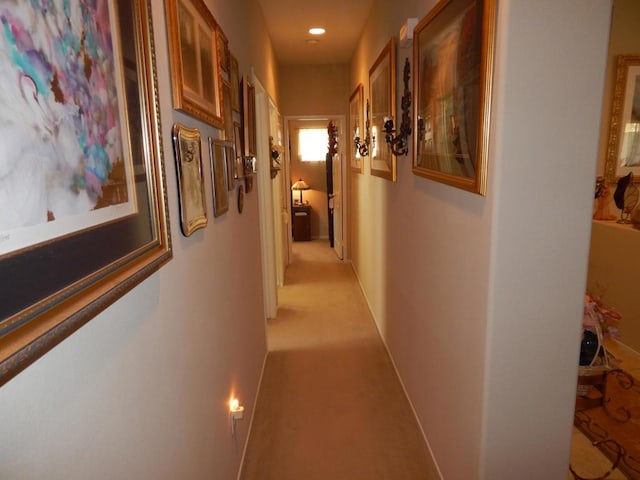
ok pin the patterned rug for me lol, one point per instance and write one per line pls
(614, 426)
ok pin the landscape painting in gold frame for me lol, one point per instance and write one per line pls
(453, 49)
(195, 60)
(382, 99)
(51, 288)
(623, 150)
(355, 124)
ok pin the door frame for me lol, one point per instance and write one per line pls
(341, 119)
(265, 202)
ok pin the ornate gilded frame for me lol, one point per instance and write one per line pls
(453, 50)
(51, 289)
(187, 145)
(624, 129)
(217, 157)
(194, 36)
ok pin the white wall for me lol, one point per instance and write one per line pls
(479, 298)
(141, 391)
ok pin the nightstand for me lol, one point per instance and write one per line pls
(301, 222)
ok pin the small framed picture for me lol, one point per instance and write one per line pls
(228, 111)
(249, 118)
(230, 160)
(234, 77)
(223, 50)
(193, 213)
(239, 168)
(218, 177)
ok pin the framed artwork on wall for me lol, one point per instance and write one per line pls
(218, 177)
(382, 100)
(227, 109)
(223, 51)
(74, 244)
(195, 60)
(249, 118)
(234, 77)
(623, 149)
(453, 49)
(233, 150)
(188, 152)
(355, 124)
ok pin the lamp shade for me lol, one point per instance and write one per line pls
(300, 185)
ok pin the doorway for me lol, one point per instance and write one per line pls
(325, 208)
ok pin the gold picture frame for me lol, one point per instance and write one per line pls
(217, 153)
(623, 149)
(356, 101)
(453, 50)
(228, 110)
(234, 149)
(382, 100)
(248, 118)
(52, 288)
(234, 78)
(188, 151)
(195, 60)
(223, 51)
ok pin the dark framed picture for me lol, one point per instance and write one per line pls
(240, 167)
(228, 111)
(234, 77)
(356, 125)
(249, 118)
(188, 152)
(623, 150)
(99, 226)
(453, 65)
(223, 51)
(230, 159)
(382, 100)
(195, 60)
(218, 177)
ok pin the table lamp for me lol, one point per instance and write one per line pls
(300, 185)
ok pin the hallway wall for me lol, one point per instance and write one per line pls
(479, 299)
(141, 391)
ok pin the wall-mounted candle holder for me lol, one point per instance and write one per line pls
(363, 147)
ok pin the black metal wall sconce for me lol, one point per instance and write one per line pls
(363, 147)
(399, 143)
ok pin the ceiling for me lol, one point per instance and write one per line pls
(288, 22)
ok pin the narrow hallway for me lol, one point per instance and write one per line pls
(330, 404)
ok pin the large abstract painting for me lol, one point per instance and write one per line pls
(83, 215)
(64, 161)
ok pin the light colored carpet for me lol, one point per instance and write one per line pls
(330, 404)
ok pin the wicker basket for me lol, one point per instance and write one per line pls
(591, 376)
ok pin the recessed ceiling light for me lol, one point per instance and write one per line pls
(317, 31)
